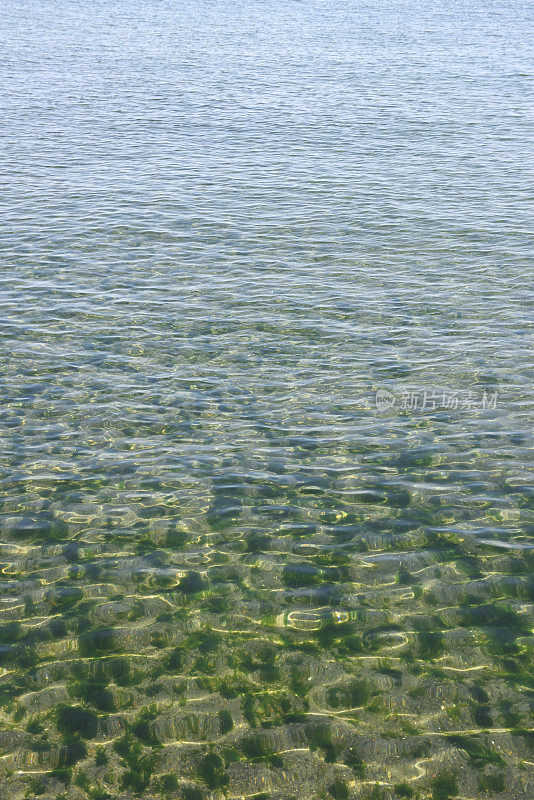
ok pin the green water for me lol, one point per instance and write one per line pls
(265, 431)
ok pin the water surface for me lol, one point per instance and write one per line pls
(227, 226)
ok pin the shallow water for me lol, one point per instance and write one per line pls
(266, 399)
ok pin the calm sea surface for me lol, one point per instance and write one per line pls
(265, 305)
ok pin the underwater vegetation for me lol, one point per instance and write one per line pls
(378, 658)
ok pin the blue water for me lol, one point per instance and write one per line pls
(230, 229)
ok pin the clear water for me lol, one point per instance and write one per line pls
(226, 227)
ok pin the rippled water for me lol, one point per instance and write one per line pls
(266, 380)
